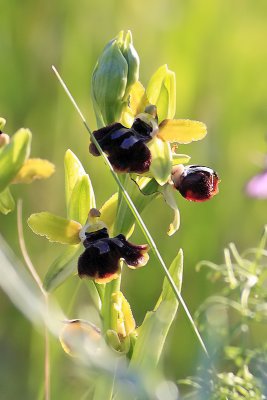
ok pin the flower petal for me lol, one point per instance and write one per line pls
(135, 256)
(56, 229)
(181, 130)
(125, 147)
(100, 260)
(161, 163)
(161, 92)
(195, 182)
(34, 168)
(137, 103)
(13, 156)
(7, 203)
(168, 194)
(79, 191)
(76, 333)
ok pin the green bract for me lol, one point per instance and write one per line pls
(115, 73)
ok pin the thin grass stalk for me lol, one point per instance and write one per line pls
(38, 281)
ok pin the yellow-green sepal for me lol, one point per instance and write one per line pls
(34, 168)
(80, 202)
(79, 191)
(180, 159)
(109, 211)
(168, 194)
(161, 92)
(137, 104)
(161, 160)
(7, 203)
(155, 327)
(182, 131)
(55, 228)
(62, 268)
(13, 156)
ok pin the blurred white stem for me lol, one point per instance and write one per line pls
(38, 281)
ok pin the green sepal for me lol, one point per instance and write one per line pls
(122, 346)
(133, 63)
(81, 200)
(109, 210)
(155, 327)
(13, 155)
(161, 162)
(7, 203)
(161, 92)
(168, 194)
(74, 172)
(61, 269)
(180, 159)
(55, 228)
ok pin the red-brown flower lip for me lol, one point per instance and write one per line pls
(195, 182)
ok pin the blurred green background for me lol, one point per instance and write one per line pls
(218, 52)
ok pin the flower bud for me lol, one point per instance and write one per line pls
(115, 73)
(4, 139)
(2, 123)
(195, 182)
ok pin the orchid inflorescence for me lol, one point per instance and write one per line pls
(139, 135)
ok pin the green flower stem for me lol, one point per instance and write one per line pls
(137, 217)
(115, 285)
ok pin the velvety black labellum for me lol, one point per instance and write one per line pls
(125, 147)
(195, 182)
(101, 258)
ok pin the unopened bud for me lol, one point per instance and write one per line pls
(116, 71)
(2, 123)
(4, 139)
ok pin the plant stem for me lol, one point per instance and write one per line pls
(38, 281)
(137, 217)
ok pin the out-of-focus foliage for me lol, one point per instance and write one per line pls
(217, 51)
(228, 319)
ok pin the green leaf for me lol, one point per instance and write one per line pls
(155, 327)
(74, 171)
(81, 200)
(7, 202)
(62, 268)
(161, 91)
(13, 155)
(56, 229)
(161, 163)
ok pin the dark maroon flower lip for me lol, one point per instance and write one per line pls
(195, 182)
(100, 260)
(126, 147)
